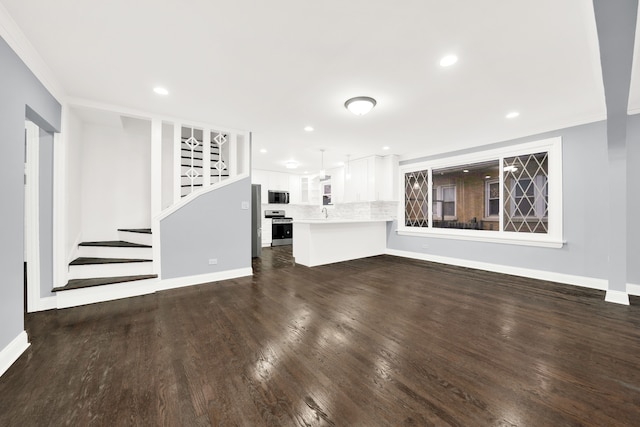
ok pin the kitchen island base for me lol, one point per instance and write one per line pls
(320, 242)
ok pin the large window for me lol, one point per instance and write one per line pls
(510, 194)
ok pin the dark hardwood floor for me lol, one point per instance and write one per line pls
(373, 342)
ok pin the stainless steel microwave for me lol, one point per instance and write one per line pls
(278, 196)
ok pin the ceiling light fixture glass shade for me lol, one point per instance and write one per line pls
(360, 105)
(448, 60)
(291, 164)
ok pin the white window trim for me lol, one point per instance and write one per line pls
(487, 191)
(553, 238)
(439, 216)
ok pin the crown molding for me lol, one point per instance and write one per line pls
(18, 41)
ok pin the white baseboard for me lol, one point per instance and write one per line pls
(94, 294)
(48, 303)
(180, 282)
(633, 289)
(618, 297)
(11, 352)
(587, 282)
(74, 249)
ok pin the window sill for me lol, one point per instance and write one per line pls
(502, 237)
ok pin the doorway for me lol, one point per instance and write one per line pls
(31, 215)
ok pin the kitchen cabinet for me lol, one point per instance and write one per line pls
(269, 180)
(372, 178)
(266, 231)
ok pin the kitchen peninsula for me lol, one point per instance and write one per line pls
(325, 241)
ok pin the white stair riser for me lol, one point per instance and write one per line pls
(114, 252)
(110, 270)
(76, 297)
(140, 238)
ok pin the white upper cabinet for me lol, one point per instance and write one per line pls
(371, 178)
(295, 189)
(269, 180)
(368, 179)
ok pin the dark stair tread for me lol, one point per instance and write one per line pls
(136, 230)
(115, 244)
(95, 261)
(98, 281)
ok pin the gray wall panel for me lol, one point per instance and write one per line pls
(45, 189)
(584, 202)
(212, 226)
(633, 200)
(19, 88)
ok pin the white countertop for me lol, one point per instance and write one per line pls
(339, 220)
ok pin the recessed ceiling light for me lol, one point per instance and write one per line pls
(160, 91)
(512, 115)
(466, 171)
(386, 147)
(291, 164)
(360, 105)
(308, 129)
(263, 150)
(448, 60)
(487, 176)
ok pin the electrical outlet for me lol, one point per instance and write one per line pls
(213, 261)
(245, 205)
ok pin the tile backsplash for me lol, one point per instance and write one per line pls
(354, 210)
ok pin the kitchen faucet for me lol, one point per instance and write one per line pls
(326, 214)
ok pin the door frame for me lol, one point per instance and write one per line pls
(32, 214)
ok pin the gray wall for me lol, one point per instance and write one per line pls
(212, 226)
(19, 88)
(585, 202)
(45, 212)
(633, 200)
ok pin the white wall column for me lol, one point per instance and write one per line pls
(156, 166)
(177, 161)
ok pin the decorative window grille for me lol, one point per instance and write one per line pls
(526, 197)
(416, 198)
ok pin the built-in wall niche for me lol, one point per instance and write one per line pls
(325, 190)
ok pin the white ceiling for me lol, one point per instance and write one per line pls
(275, 67)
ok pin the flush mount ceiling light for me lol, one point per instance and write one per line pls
(160, 91)
(448, 60)
(291, 164)
(512, 115)
(360, 105)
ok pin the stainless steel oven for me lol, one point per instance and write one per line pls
(281, 227)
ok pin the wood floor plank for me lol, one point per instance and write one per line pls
(381, 341)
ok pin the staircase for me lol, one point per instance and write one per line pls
(129, 259)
